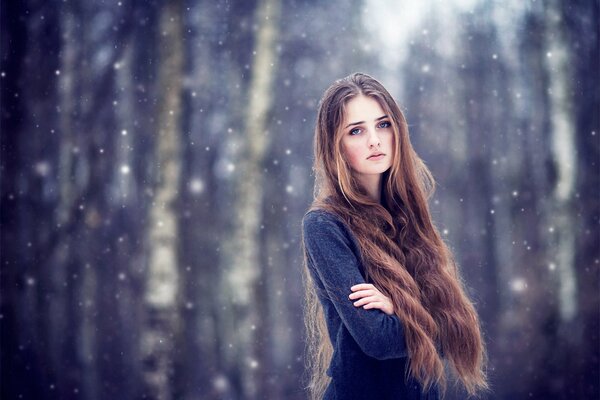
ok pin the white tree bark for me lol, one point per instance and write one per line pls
(57, 308)
(562, 231)
(124, 188)
(67, 108)
(161, 300)
(87, 336)
(241, 256)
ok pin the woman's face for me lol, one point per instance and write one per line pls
(367, 138)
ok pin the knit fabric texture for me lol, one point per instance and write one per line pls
(370, 357)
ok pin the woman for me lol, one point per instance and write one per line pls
(385, 302)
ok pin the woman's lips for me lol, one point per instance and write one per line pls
(377, 157)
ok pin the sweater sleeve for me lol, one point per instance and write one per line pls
(332, 260)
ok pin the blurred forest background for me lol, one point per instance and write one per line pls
(156, 163)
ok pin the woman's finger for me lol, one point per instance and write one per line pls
(366, 300)
(383, 306)
(362, 286)
(375, 304)
(362, 293)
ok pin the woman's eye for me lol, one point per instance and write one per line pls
(385, 124)
(354, 131)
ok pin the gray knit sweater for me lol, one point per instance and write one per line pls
(370, 355)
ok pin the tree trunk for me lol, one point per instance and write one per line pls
(162, 285)
(561, 234)
(241, 258)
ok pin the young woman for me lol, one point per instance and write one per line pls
(385, 303)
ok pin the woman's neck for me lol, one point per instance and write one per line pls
(372, 185)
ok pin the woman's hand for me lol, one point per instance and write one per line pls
(371, 297)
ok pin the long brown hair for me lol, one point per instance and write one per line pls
(402, 251)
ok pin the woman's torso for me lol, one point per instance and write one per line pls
(354, 374)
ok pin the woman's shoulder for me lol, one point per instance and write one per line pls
(320, 216)
(325, 233)
(322, 222)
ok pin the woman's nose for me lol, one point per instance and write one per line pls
(373, 139)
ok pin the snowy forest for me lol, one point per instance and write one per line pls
(156, 161)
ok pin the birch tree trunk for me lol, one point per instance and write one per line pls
(561, 232)
(57, 311)
(241, 258)
(162, 286)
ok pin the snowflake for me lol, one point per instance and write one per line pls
(42, 168)
(220, 383)
(196, 186)
(518, 285)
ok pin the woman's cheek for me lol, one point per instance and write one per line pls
(353, 158)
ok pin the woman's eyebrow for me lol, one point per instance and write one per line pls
(362, 122)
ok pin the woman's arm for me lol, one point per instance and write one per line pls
(332, 260)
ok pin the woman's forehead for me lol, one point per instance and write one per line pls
(362, 109)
